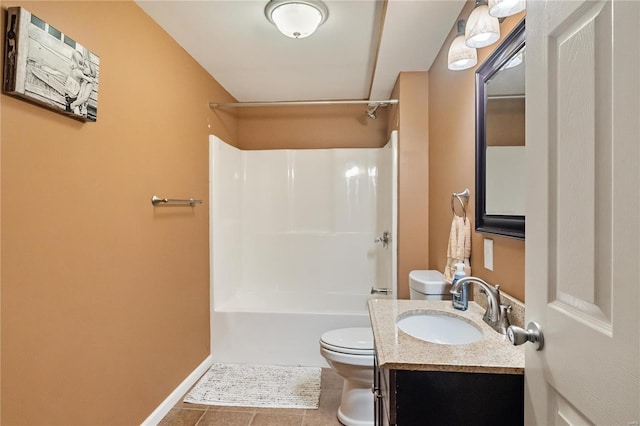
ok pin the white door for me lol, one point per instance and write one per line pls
(583, 212)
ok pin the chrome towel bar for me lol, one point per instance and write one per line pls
(155, 200)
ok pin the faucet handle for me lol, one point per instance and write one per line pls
(504, 322)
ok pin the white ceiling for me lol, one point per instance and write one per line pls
(347, 57)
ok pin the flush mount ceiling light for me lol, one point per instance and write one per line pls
(461, 56)
(296, 18)
(482, 28)
(504, 8)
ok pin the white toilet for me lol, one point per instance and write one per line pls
(349, 351)
(428, 285)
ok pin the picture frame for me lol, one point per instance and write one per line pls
(47, 67)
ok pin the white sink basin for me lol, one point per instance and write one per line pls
(439, 328)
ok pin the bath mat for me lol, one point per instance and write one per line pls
(258, 386)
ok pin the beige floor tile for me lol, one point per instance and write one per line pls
(331, 379)
(231, 408)
(320, 419)
(329, 403)
(275, 419)
(226, 418)
(289, 411)
(181, 417)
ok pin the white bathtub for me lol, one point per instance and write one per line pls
(281, 328)
(293, 250)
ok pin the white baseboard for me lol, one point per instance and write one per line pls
(162, 410)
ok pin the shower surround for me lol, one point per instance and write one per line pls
(292, 247)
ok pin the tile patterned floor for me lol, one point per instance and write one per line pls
(183, 414)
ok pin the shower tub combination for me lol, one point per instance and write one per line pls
(292, 247)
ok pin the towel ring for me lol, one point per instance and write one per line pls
(460, 195)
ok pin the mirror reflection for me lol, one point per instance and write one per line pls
(505, 141)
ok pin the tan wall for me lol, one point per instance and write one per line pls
(105, 299)
(452, 167)
(505, 122)
(299, 127)
(411, 118)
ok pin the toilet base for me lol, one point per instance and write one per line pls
(356, 405)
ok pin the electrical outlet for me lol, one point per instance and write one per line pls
(488, 254)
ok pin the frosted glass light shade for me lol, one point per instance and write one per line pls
(515, 61)
(482, 29)
(504, 8)
(461, 56)
(296, 18)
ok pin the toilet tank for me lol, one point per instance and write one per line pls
(428, 285)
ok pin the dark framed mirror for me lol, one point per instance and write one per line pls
(500, 141)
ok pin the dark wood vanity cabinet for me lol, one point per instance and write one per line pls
(436, 398)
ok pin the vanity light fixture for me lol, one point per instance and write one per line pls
(515, 61)
(296, 18)
(461, 56)
(504, 8)
(482, 29)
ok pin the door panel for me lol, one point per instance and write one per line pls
(583, 225)
(566, 414)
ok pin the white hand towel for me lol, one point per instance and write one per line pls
(459, 248)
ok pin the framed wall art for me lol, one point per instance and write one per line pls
(45, 66)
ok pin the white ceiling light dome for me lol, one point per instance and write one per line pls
(482, 29)
(296, 18)
(461, 56)
(504, 8)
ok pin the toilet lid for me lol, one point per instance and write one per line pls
(356, 340)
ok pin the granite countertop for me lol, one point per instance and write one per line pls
(397, 350)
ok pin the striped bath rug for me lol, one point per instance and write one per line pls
(258, 386)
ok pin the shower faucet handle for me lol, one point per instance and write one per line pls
(384, 239)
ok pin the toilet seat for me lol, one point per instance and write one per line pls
(351, 341)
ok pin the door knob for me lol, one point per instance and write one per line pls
(533, 334)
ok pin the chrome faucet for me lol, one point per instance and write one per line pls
(495, 315)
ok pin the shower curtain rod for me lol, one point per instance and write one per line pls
(297, 103)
